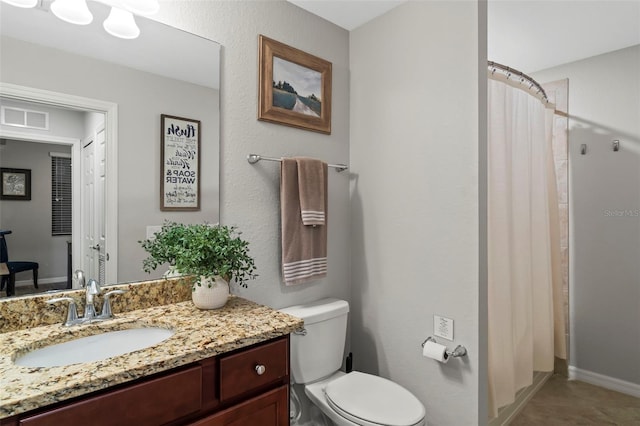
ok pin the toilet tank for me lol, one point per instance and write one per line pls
(318, 352)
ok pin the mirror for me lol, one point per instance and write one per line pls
(111, 86)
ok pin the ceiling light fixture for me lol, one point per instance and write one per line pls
(120, 23)
(22, 3)
(72, 11)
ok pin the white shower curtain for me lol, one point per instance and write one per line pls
(526, 327)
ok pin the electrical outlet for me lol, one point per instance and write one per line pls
(443, 327)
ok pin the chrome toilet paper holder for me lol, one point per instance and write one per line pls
(458, 352)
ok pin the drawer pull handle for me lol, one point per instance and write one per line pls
(260, 369)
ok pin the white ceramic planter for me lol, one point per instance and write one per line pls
(210, 294)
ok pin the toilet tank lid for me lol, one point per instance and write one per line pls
(320, 310)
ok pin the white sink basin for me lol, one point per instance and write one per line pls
(94, 348)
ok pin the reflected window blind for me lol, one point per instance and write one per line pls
(60, 195)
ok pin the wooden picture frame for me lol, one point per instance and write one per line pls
(15, 184)
(179, 163)
(294, 87)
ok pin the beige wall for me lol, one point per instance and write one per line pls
(249, 194)
(408, 117)
(414, 201)
(604, 201)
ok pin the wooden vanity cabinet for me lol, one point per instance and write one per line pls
(151, 402)
(269, 408)
(245, 373)
(247, 387)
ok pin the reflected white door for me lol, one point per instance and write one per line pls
(93, 224)
(99, 194)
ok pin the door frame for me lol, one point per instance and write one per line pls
(110, 111)
(76, 238)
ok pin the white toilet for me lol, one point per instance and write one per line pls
(354, 399)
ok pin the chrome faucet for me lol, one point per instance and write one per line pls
(72, 310)
(106, 313)
(78, 277)
(92, 289)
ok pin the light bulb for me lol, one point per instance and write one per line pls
(120, 23)
(22, 3)
(141, 7)
(73, 11)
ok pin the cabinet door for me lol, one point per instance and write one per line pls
(268, 409)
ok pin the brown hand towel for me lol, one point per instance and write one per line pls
(304, 248)
(312, 188)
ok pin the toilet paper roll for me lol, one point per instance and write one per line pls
(435, 351)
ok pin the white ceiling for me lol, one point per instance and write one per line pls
(348, 14)
(528, 35)
(535, 35)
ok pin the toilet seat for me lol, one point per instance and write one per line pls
(369, 400)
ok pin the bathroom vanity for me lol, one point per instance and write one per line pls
(214, 391)
(227, 366)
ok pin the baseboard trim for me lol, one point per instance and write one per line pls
(612, 383)
(508, 413)
(29, 282)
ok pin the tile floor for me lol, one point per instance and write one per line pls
(562, 402)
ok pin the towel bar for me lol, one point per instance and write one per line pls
(254, 158)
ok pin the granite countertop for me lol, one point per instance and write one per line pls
(198, 335)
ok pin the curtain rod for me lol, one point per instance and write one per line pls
(493, 66)
(254, 158)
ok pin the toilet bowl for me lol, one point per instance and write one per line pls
(347, 399)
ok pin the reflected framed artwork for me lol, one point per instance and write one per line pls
(16, 184)
(179, 164)
(294, 87)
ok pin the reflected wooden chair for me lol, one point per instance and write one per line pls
(14, 267)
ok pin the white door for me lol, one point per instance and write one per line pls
(89, 257)
(93, 224)
(99, 194)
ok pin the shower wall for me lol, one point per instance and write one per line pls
(604, 217)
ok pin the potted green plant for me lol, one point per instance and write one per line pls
(214, 254)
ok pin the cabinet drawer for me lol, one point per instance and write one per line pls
(155, 402)
(238, 372)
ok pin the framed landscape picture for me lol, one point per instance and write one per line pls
(16, 184)
(295, 87)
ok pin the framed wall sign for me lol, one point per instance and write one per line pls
(16, 184)
(179, 164)
(295, 87)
